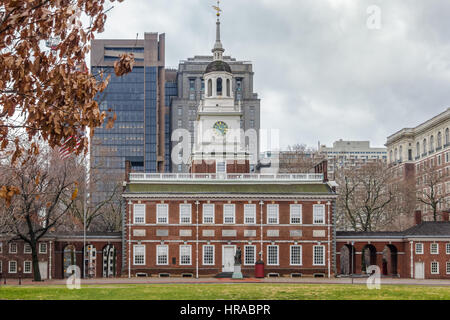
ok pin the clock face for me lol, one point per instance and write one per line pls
(221, 128)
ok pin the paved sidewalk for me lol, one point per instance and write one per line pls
(154, 280)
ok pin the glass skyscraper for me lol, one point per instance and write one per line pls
(141, 133)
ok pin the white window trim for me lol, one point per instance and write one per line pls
(31, 266)
(1, 247)
(157, 255)
(323, 258)
(186, 205)
(431, 267)
(447, 267)
(10, 246)
(447, 248)
(160, 214)
(253, 213)
(301, 255)
(301, 213)
(278, 255)
(25, 246)
(134, 254)
(40, 247)
(278, 213)
(314, 214)
(213, 213)
(190, 255)
(9, 266)
(213, 255)
(234, 213)
(134, 213)
(415, 248)
(437, 248)
(254, 256)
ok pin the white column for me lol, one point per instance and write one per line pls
(329, 251)
(196, 242)
(412, 260)
(129, 239)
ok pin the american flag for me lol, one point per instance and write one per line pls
(65, 151)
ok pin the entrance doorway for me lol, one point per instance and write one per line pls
(419, 270)
(43, 269)
(228, 253)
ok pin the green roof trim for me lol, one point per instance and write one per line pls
(229, 188)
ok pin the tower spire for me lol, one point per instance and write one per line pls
(218, 48)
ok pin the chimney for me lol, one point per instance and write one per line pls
(418, 217)
(445, 216)
(127, 170)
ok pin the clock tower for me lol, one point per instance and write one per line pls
(218, 148)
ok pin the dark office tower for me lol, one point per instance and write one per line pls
(138, 99)
(171, 93)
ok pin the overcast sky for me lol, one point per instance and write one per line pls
(320, 72)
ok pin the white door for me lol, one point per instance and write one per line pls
(228, 258)
(43, 269)
(419, 270)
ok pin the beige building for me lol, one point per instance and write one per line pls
(422, 153)
(351, 153)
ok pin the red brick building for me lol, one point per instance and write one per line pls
(193, 224)
(56, 252)
(420, 252)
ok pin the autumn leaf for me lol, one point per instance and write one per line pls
(124, 64)
(43, 81)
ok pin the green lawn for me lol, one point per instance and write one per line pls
(261, 291)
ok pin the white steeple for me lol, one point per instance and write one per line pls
(218, 48)
(218, 134)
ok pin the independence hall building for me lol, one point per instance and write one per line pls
(192, 224)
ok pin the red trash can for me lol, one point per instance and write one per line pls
(259, 269)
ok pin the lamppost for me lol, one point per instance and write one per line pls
(196, 242)
(261, 235)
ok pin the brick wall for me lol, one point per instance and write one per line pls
(54, 257)
(284, 234)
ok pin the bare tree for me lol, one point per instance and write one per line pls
(298, 158)
(403, 203)
(42, 181)
(430, 187)
(100, 214)
(364, 197)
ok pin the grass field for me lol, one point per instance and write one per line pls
(225, 291)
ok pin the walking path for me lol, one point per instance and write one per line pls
(119, 281)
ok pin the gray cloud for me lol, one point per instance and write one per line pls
(320, 72)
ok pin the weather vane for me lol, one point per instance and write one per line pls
(217, 8)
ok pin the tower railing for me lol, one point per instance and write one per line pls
(301, 177)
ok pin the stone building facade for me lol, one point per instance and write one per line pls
(347, 154)
(416, 154)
